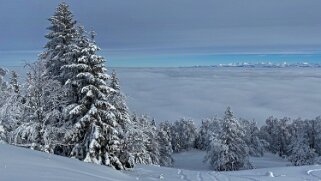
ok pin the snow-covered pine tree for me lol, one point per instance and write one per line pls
(276, 132)
(314, 135)
(251, 137)
(312, 131)
(11, 106)
(3, 83)
(164, 140)
(42, 123)
(229, 151)
(184, 133)
(216, 154)
(117, 99)
(3, 101)
(283, 136)
(135, 148)
(14, 82)
(301, 153)
(39, 115)
(141, 141)
(60, 37)
(210, 128)
(95, 134)
(11, 110)
(269, 132)
(201, 139)
(152, 145)
(114, 81)
(3, 87)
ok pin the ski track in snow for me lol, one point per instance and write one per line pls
(213, 177)
(227, 177)
(311, 173)
(248, 177)
(185, 177)
(199, 176)
(83, 173)
(182, 175)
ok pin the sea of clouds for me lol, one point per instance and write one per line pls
(198, 93)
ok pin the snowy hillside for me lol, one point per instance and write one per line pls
(23, 164)
(18, 164)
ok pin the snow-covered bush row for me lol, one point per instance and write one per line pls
(298, 140)
(230, 139)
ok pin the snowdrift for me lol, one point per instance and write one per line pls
(18, 164)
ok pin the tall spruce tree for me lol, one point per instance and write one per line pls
(95, 134)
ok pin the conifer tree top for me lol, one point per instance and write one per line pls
(114, 81)
(229, 113)
(2, 72)
(62, 24)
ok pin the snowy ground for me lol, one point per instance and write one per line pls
(253, 93)
(18, 164)
(193, 160)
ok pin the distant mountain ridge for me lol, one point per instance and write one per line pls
(266, 65)
(269, 65)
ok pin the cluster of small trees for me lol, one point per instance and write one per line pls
(229, 142)
(70, 106)
(297, 140)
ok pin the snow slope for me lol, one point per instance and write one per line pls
(193, 160)
(253, 93)
(18, 164)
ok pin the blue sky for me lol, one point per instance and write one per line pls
(169, 30)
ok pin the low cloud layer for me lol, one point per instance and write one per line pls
(170, 94)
